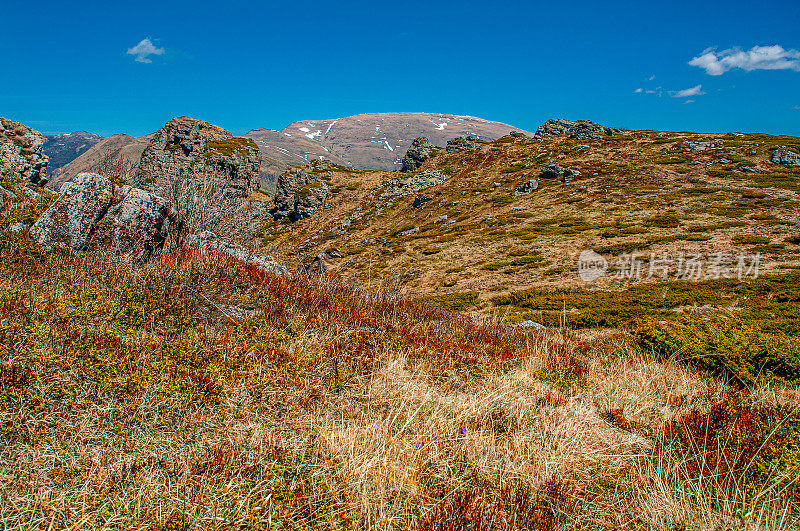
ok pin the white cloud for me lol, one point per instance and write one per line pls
(688, 101)
(638, 90)
(697, 90)
(756, 58)
(651, 78)
(144, 49)
(796, 107)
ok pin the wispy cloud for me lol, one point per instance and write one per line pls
(697, 90)
(756, 58)
(144, 50)
(638, 90)
(688, 101)
(796, 107)
(651, 78)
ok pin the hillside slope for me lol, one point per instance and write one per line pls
(121, 150)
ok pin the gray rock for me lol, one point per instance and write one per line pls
(698, 146)
(529, 324)
(420, 200)
(69, 221)
(92, 212)
(408, 232)
(397, 187)
(556, 171)
(580, 129)
(298, 195)
(443, 217)
(136, 226)
(527, 187)
(202, 170)
(785, 157)
(21, 154)
(459, 144)
(417, 154)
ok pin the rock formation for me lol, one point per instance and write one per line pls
(459, 144)
(21, 155)
(201, 169)
(298, 195)
(580, 129)
(417, 154)
(93, 211)
(556, 171)
(785, 157)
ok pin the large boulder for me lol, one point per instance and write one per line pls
(579, 129)
(69, 221)
(459, 144)
(136, 225)
(298, 195)
(21, 155)
(93, 212)
(556, 171)
(785, 157)
(208, 242)
(204, 172)
(420, 151)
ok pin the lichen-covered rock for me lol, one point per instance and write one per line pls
(298, 195)
(459, 144)
(556, 171)
(69, 222)
(420, 200)
(202, 170)
(526, 187)
(92, 212)
(21, 156)
(136, 226)
(420, 151)
(411, 185)
(785, 157)
(579, 129)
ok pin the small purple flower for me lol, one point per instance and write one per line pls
(463, 430)
(419, 445)
(376, 426)
(434, 437)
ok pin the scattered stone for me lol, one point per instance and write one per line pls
(421, 199)
(724, 161)
(408, 232)
(698, 146)
(17, 227)
(751, 169)
(527, 187)
(419, 152)
(785, 157)
(443, 217)
(517, 209)
(580, 129)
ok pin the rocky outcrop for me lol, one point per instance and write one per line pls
(93, 212)
(556, 171)
(21, 155)
(459, 144)
(399, 187)
(580, 129)
(201, 169)
(298, 195)
(420, 151)
(785, 157)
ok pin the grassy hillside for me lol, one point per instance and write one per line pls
(197, 392)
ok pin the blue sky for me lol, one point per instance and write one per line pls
(65, 66)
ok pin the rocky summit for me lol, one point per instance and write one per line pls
(579, 130)
(201, 169)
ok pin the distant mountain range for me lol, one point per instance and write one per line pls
(63, 149)
(375, 141)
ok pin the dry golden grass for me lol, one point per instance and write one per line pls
(198, 393)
